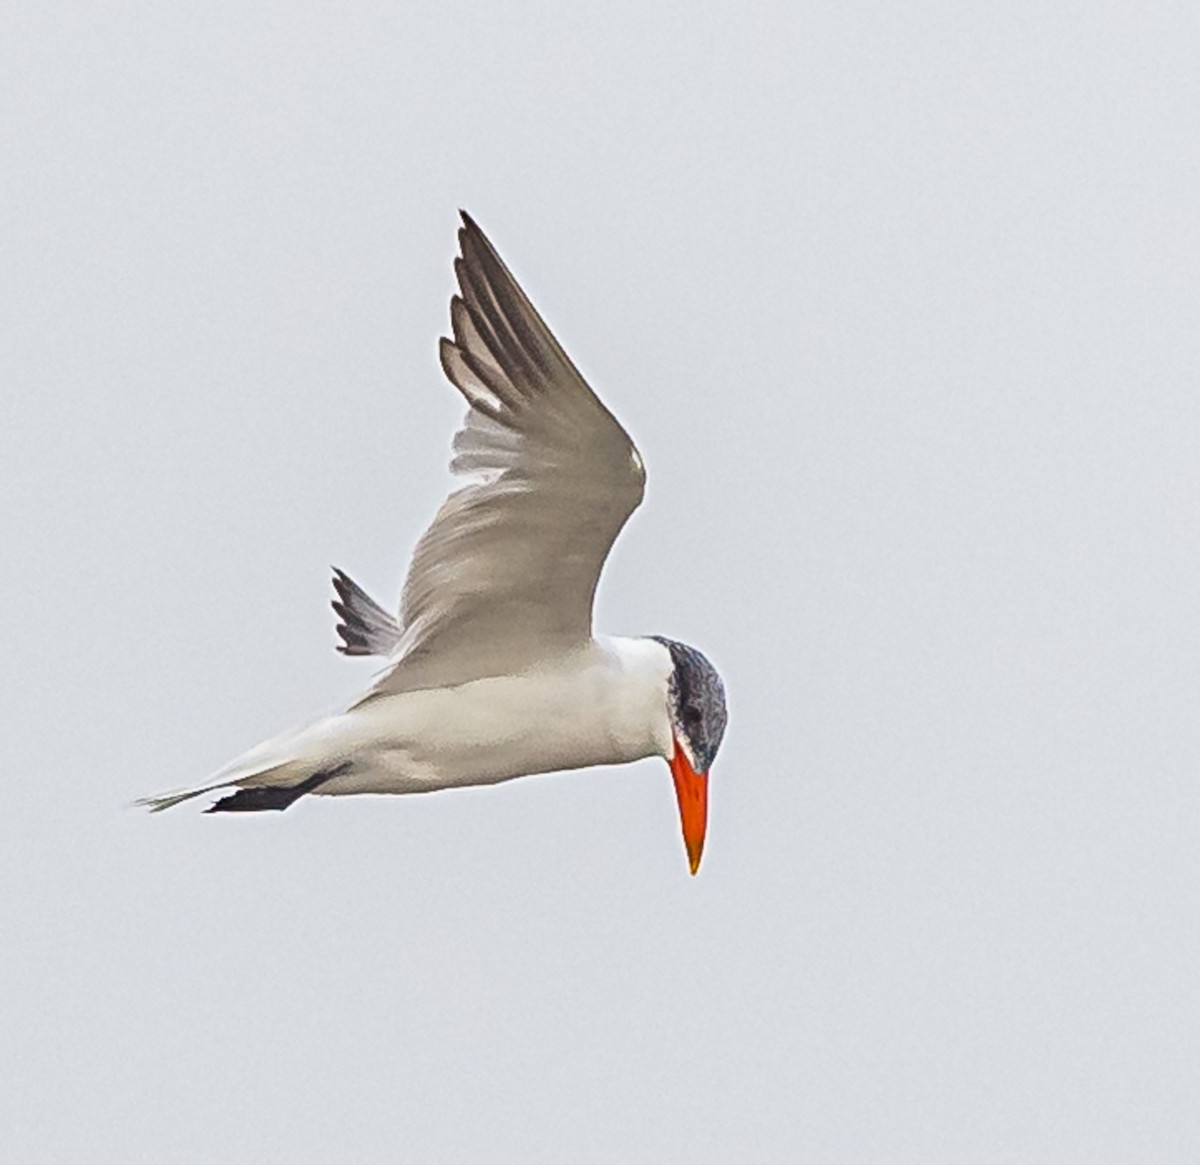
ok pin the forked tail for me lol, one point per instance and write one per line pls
(260, 784)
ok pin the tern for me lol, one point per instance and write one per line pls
(492, 668)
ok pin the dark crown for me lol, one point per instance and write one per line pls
(697, 703)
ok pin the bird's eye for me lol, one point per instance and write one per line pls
(691, 715)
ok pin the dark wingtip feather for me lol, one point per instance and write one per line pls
(365, 627)
(471, 232)
(261, 797)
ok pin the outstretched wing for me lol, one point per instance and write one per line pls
(506, 573)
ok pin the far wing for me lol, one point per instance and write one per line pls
(506, 573)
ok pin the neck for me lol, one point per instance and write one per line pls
(638, 672)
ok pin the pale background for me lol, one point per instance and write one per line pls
(900, 302)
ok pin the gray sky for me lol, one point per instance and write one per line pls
(900, 303)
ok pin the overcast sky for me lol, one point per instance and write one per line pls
(900, 303)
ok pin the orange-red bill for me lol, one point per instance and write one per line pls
(691, 790)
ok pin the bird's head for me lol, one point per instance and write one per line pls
(696, 710)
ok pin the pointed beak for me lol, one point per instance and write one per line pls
(691, 790)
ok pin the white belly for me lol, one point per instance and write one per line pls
(605, 705)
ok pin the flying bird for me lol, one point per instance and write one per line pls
(492, 667)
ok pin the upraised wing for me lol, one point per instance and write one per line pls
(506, 573)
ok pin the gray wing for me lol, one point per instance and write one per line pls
(506, 573)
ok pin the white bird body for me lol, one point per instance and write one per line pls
(494, 671)
(601, 705)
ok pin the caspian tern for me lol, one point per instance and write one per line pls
(493, 669)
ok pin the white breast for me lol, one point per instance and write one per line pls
(603, 705)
